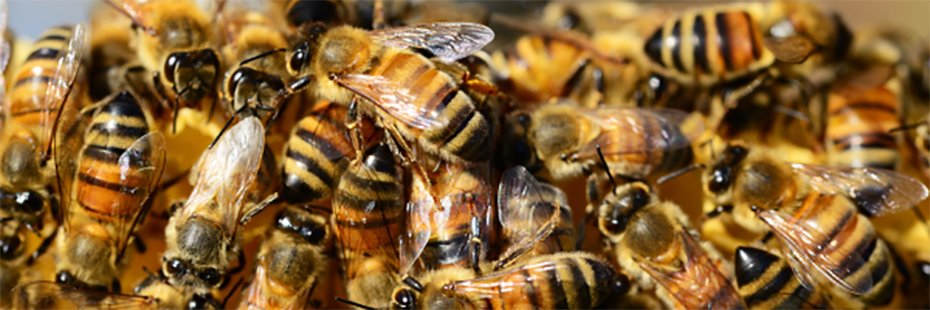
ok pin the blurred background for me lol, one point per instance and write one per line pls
(30, 17)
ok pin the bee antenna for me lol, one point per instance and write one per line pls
(231, 292)
(906, 127)
(262, 55)
(413, 283)
(606, 168)
(679, 172)
(150, 273)
(352, 303)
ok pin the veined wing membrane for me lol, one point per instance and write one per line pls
(448, 41)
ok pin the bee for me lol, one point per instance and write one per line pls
(750, 37)
(154, 292)
(410, 97)
(806, 205)
(111, 54)
(316, 154)
(525, 206)
(448, 225)
(653, 242)
(368, 215)
(290, 262)
(766, 281)
(203, 236)
(174, 40)
(105, 191)
(636, 142)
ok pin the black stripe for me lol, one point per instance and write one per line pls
(54, 37)
(875, 140)
(556, 291)
(852, 267)
(107, 154)
(583, 300)
(43, 53)
(797, 298)
(477, 147)
(111, 186)
(111, 128)
(124, 105)
(771, 287)
(297, 192)
(386, 189)
(837, 228)
(756, 52)
(309, 165)
(380, 159)
(448, 98)
(723, 38)
(450, 251)
(320, 144)
(531, 291)
(700, 44)
(676, 50)
(37, 79)
(654, 47)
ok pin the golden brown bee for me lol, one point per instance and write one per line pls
(635, 142)
(448, 225)
(652, 241)
(316, 154)
(410, 98)
(818, 214)
(105, 189)
(153, 293)
(368, 215)
(174, 41)
(708, 45)
(766, 281)
(203, 236)
(290, 262)
(526, 206)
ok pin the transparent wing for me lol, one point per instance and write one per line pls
(875, 191)
(141, 167)
(46, 295)
(527, 216)
(448, 41)
(699, 284)
(465, 198)
(61, 83)
(646, 130)
(394, 99)
(807, 248)
(418, 231)
(793, 50)
(255, 294)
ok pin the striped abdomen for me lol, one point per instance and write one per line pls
(368, 207)
(574, 280)
(465, 200)
(313, 154)
(27, 96)
(857, 128)
(766, 281)
(466, 134)
(101, 186)
(562, 239)
(709, 45)
(850, 232)
(639, 165)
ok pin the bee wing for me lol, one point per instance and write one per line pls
(660, 130)
(527, 216)
(394, 99)
(799, 240)
(61, 83)
(700, 284)
(141, 167)
(875, 191)
(793, 50)
(227, 170)
(448, 41)
(466, 193)
(418, 230)
(46, 294)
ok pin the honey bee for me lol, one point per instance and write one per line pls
(806, 205)
(203, 236)
(316, 154)
(290, 262)
(653, 242)
(766, 281)
(751, 36)
(453, 228)
(368, 215)
(153, 293)
(526, 206)
(174, 40)
(105, 190)
(636, 142)
(111, 54)
(410, 97)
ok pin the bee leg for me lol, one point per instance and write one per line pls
(46, 243)
(476, 245)
(258, 208)
(353, 124)
(139, 244)
(407, 154)
(115, 286)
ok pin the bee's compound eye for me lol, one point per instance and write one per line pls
(923, 269)
(211, 276)
(640, 198)
(171, 63)
(720, 180)
(175, 267)
(404, 299)
(615, 225)
(313, 234)
(9, 247)
(30, 201)
(64, 277)
(197, 302)
(621, 284)
(297, 60)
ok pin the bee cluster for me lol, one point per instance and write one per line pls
(292, 154)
